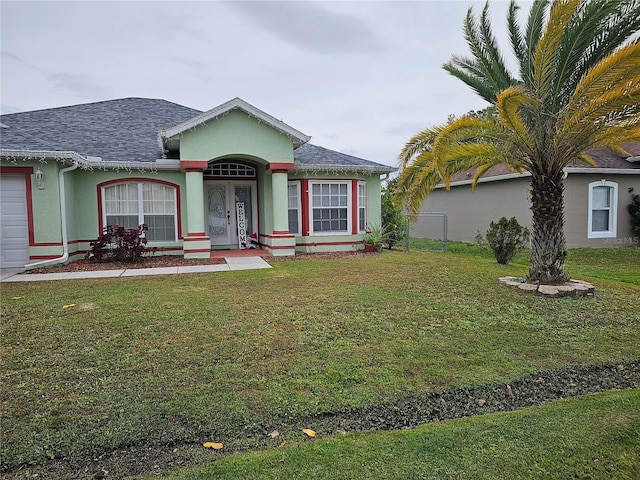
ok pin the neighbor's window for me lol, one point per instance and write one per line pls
(603, 201)
(362, 206)
(132, 204)
(330, 207)
(293, 197)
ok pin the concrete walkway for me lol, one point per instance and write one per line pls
(233, 263)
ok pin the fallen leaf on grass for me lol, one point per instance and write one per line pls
(214, 445)
(309, 432)
(68, 306)
(509, 391)
(19, 297)
(100, 474)
(274, 434)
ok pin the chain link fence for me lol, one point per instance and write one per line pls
(428, 233)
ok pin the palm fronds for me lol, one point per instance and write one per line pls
(535, 24)
(579, 88)
(485, 72)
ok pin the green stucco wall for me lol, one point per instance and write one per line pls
(236, 134)
(46, 206)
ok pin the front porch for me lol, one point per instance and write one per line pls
(237, 253)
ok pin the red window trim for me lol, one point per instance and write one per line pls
(304, 187)
(304, 205)
(354, 208)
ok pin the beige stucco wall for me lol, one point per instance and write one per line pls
(577, 204)
(470, 211)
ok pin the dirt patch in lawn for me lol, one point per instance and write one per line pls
(408, 412)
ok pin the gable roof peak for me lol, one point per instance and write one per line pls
(236, 103)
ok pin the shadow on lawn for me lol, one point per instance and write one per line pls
(407, 412)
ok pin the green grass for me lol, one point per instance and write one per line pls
(595, 437)
(183, 358)
(620, 264)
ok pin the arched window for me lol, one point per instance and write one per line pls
(603, 203)
(130, 204)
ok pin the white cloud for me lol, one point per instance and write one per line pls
(311, 26)
(359, 77)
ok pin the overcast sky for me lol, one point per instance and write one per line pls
(358, 77)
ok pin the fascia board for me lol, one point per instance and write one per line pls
(567, 170)
(87, 163)
(610, 171)
(497, 178)
(344, 168)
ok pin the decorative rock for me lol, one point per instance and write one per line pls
(570, 288)
(527, 287)
(566, 290)
(549, 290)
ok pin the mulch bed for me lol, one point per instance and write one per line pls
(159, 261)
(146, 262)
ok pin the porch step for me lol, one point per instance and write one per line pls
(246, 263)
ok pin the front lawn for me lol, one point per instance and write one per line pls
(120, 365)
(595, 437)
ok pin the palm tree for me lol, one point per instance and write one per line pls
(578, 88)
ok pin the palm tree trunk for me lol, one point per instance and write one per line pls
(548, 249)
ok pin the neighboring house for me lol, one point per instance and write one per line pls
(596, 200)
(195, 179)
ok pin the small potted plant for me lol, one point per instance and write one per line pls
(374, 238)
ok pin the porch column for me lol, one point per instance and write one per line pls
(281, 242)
(196, 244)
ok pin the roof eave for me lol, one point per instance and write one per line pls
(370, 169)
(567, 170)
(595, 170)
(87, 163)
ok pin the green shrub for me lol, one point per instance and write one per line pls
(506, 238)
(394, 221)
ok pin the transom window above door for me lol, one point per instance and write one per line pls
(230, 169)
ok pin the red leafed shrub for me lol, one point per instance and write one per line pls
(120, 244)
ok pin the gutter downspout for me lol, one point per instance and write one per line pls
(63, 221)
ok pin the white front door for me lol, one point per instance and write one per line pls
(221, 220)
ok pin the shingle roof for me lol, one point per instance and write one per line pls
(126, 130)
(604, 158)
(313, 156)
(123, 130)
(607, 158)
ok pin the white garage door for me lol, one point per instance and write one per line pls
(14, 244)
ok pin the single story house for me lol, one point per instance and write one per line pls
(199, 180)
(596, 200)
